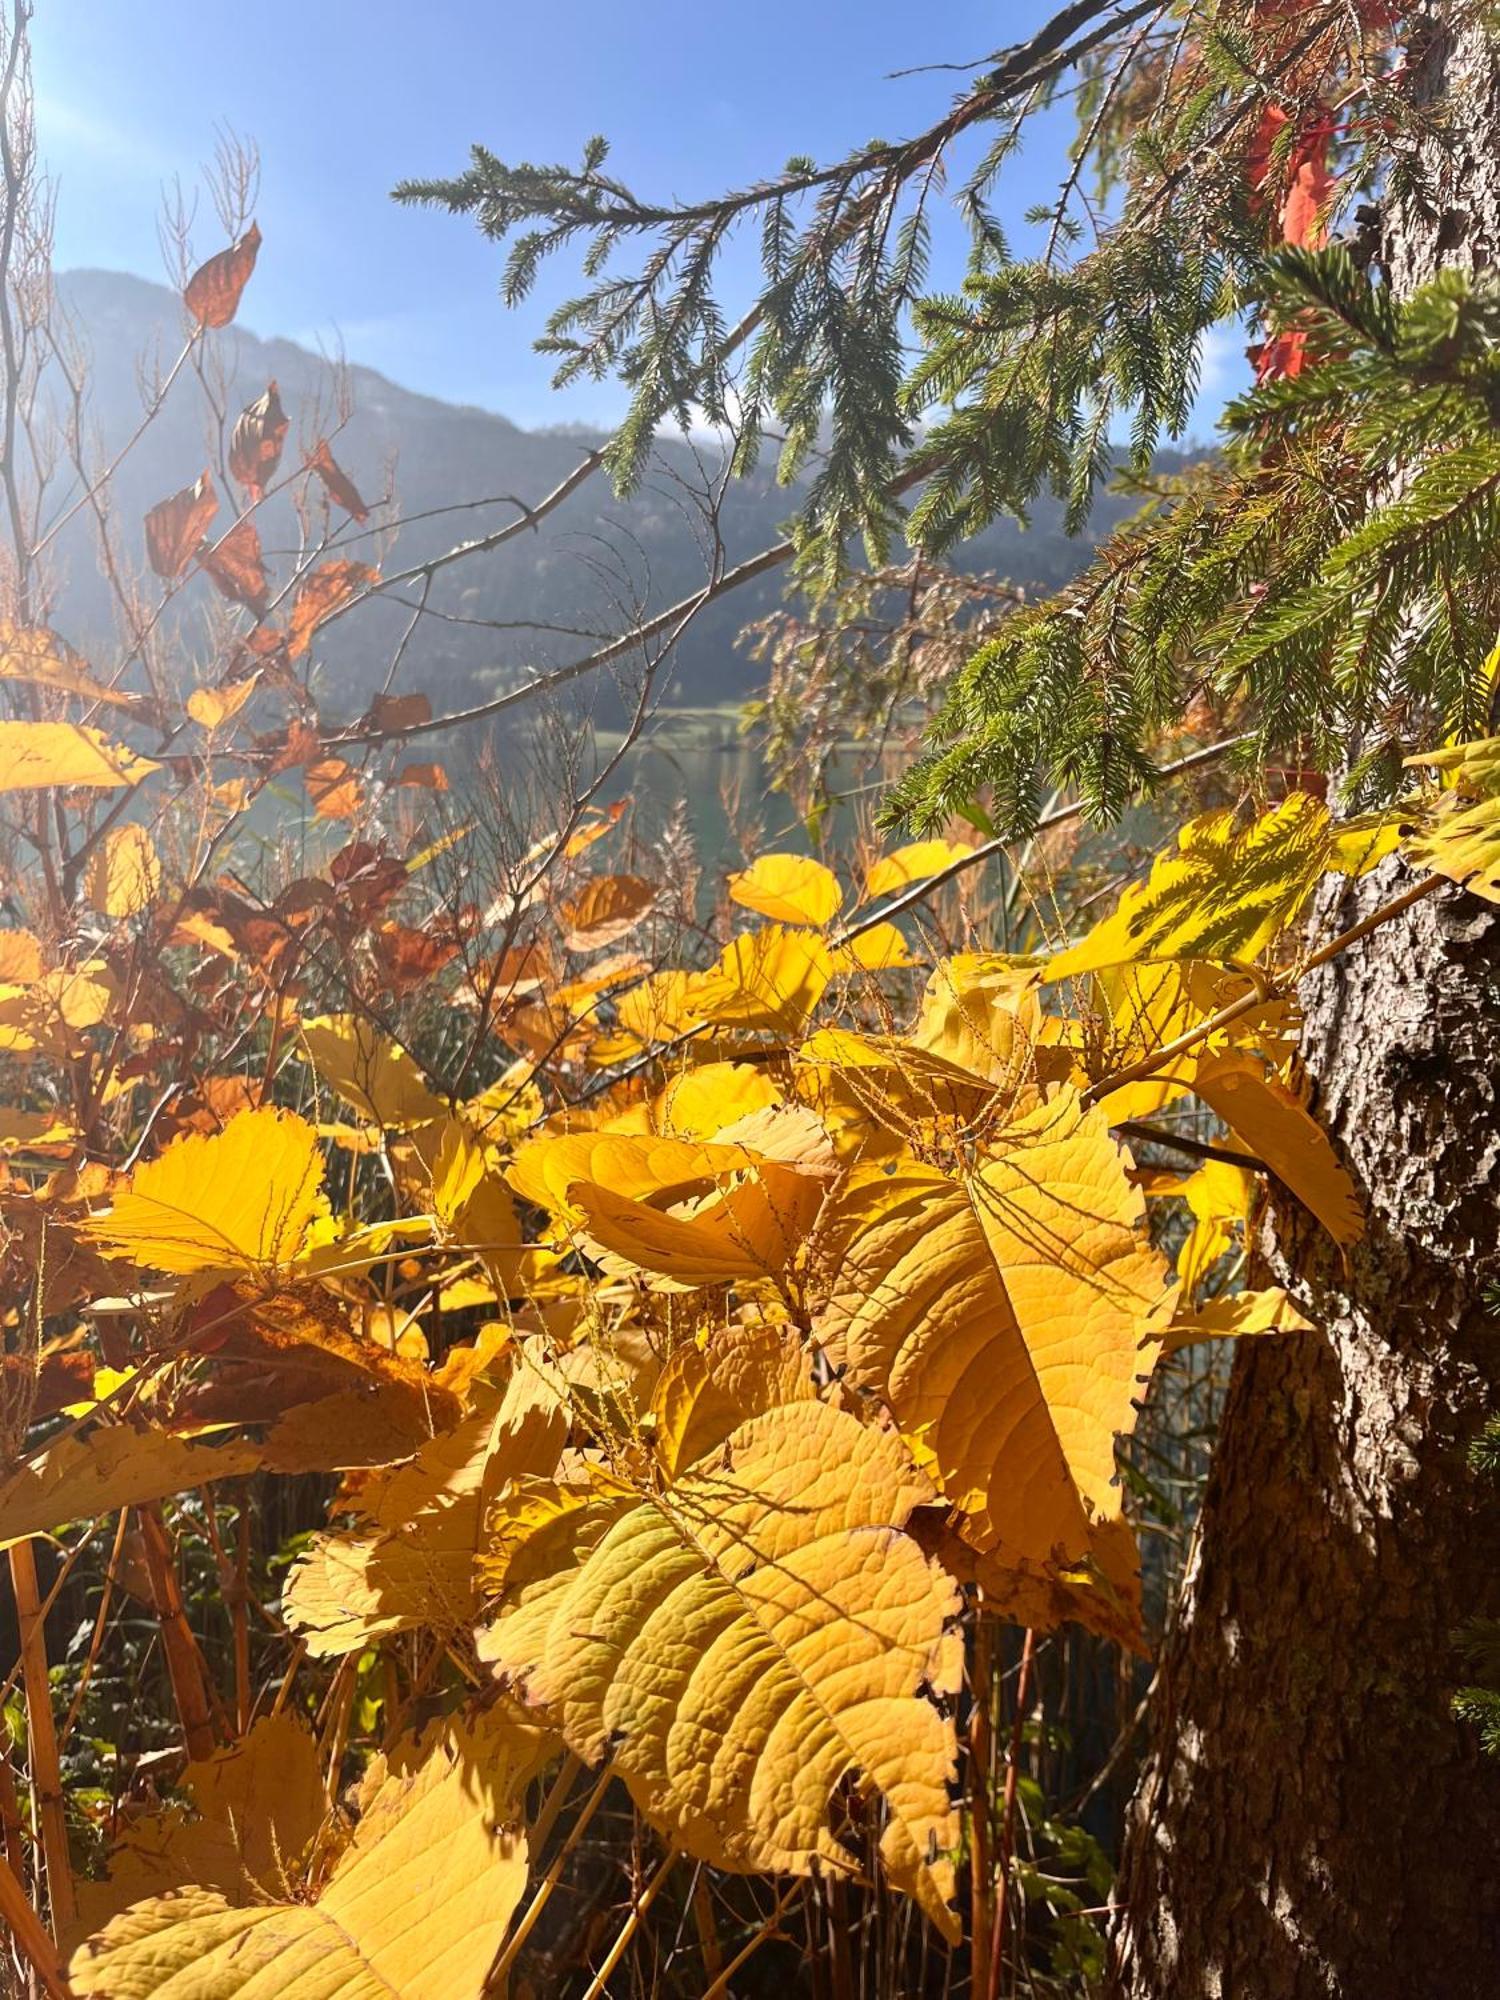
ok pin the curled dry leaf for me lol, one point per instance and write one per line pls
(235, 567)
(213, 292)
(176, 526)
(604, 910)
(340, 487)
(255, 447)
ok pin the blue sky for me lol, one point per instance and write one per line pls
(343, 99)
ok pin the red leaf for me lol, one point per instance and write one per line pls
(255, 448)
(341, 488)
(234, 563)
(175, 527)
(213, 291)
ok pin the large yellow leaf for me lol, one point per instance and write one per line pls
(913, 863)
(373, 1074)
(1262, 1112)
(789, 889)
(417, 1905)
(770, 979)
(246, 1818)
(1227, 891)
(115, 1465)
(1002, 1317)
(235, 1203)
(36, 754)
(741, 1637)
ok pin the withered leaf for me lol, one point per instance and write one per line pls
(176, 526)
(235, 567)
(331, 586)
(213, 292)
(340, 487)
(255, 447)
(397, 712)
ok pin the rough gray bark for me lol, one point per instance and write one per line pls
(1311, 1823)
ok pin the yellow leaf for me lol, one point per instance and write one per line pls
(1459, 836)
(771, 978)
(212, 707)
(239, 1202)
(788, 888)
(248, 1816)
(701, 1102)
(125, 873)
(417, 1905)
(1002, 1316)
(1234, 1315)
(912, 864)
(111, 1466)
(37, 754)
(411, 1564)
(706, 1391)
(658, 1007)
(1263, 1113)
(373, 1074)
(741, 1637)
(1227, 891)
(691, 1213)
(879, 949)
(20, 958)
(35, 655)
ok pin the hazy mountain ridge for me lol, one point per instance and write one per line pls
(588, 566)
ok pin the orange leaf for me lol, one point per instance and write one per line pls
(255, 448)
(341, 488)
(333, 788)
(213, 291)
(330, 587)
(430, 777)
(175, 527)
(234, 565)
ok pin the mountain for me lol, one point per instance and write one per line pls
(587, 567)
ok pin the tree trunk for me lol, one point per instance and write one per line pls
(1311, 1823)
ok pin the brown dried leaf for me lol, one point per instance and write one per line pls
(255, 448)
(175, 527)
(341, 488)
(235, 567)
(331, 586)
(213, 292)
